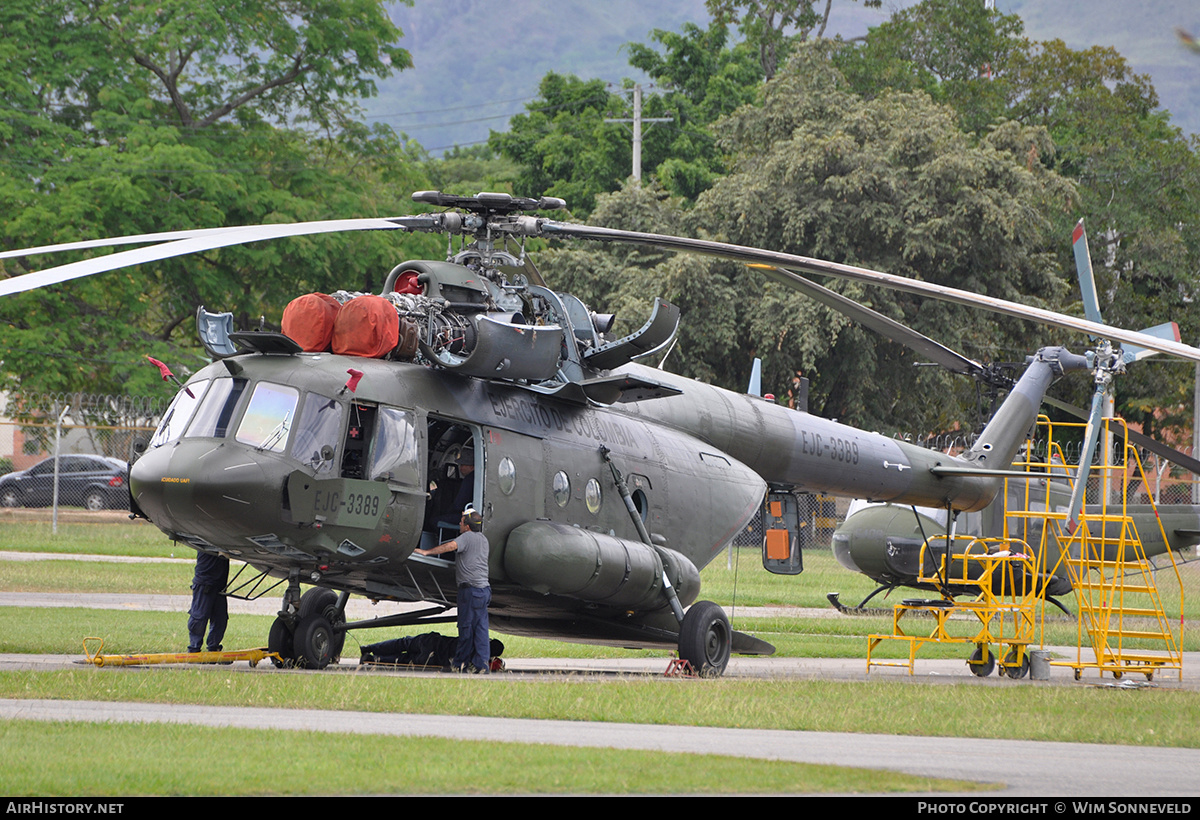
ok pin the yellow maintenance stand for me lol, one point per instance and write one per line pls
(1121, 617)
(1121, 613)
(1002, 574)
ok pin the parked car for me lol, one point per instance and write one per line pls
(95, 482)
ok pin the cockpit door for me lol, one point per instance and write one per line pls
(397, 459)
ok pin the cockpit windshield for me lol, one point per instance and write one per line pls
(216, 412)
(268, 417)
(175, 420)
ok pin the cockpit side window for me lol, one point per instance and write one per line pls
(269, 417)
(395, 456)
(317, 434)
(178, 414)
(216, 411)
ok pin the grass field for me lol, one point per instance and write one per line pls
(1016, 710)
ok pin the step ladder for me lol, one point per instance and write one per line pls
(1120, 610)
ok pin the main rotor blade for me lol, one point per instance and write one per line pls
(792, 262)
(873, 320)
(208, 239)
(109, 242)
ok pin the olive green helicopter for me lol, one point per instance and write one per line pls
(885, 541)
(605, 486)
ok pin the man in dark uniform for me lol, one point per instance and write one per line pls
(474, 592)
(210, 608)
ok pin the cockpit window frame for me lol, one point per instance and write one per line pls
(212, 421)
(172, 427)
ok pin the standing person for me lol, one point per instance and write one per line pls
(474, 592)
(210, 608)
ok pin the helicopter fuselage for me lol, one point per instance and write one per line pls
(273, 462)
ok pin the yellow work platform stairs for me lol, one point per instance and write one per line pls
(1121, 617)
(1000, 576)
(1120, 609)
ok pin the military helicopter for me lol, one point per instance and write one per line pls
(605, 486)
(884, 541)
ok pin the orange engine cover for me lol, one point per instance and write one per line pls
(366, 326)
(308, 321)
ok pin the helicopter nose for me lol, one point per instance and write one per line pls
(841, 544)
(209, 489)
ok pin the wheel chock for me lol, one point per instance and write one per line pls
(679, 668)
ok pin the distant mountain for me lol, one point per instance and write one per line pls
(1143, 32)
(477, 63)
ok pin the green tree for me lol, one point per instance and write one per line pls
(957, 51)
(1135, 174)
(702, 79)
(890, 183)
(568, 146)
(1137, 177)
(767, 23)
(563, 144)
(468, 170)
(126, 118)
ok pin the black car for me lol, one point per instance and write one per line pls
(95, 482)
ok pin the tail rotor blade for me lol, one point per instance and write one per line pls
(1087, 282)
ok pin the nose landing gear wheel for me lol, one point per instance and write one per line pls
(281, 641)
(319, 601)
(314, 642)
(705, 639)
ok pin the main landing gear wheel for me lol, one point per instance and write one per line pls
(318, 601)
(314, 642)
(280, 641)
(979, 667)
(1011, 668)
(705, 639)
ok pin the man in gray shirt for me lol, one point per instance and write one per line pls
(474, 592)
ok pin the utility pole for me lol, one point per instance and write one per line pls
(637, 121)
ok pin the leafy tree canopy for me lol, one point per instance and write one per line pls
(569, 145)
(1135, 174)
(889, 183)
(774, 25)
(124, 118)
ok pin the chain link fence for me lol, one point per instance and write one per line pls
(1165, 483)
(71, 448)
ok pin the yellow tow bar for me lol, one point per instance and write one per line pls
(92, 648)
